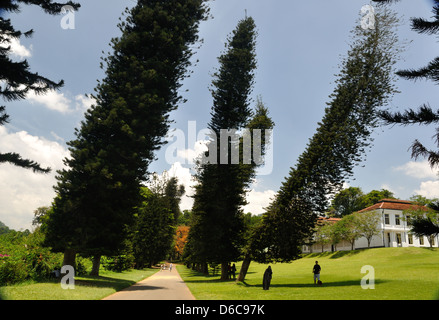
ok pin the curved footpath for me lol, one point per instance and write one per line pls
(163, 285)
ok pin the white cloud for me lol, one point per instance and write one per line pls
(52, 100)
(191, 154)
(57, 137)
(429, 189)
(258, 201)
(18, 50)
(59, 102)
(420, 170)
(23, 191)
(83, 102)
(185, 178)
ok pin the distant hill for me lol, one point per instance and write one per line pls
(3, 228)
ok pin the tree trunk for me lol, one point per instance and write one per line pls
(96, 265)
(244, 268)
(69, 258)
(224, 271)
(205, 268)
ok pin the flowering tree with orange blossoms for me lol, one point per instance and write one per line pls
(181, 235)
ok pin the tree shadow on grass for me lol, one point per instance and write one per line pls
(207, 278)
(103, 282)
(347, 283)
(334, 255)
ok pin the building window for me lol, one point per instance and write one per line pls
(397, 221)
(421, 240)
(388, 239)
(432, 241)
(386, 219)
(410, 239)
(409, 220)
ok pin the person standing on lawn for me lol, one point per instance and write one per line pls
(267, 278)
(316, 270)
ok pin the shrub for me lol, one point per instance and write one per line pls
(11, 271)
(118, 263)
(22, 257)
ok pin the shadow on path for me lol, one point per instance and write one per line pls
(163, 285)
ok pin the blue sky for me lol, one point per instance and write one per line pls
(298, 51)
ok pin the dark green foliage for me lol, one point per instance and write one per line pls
(363, 85)
(233, 82)
(173, 193)
(353, 199)
(3, 228)
(118, 263)
(424, 227)
(217, 225)
(424, 222)
(153, 230)
(23, 257)
(97, 193)
(17, 76)
(347, 201)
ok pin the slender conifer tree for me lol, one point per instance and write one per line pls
(216, 234)
(109, 159)
(364, 84)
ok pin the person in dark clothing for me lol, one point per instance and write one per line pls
(316, 270)
(233, 270)
(267, 278)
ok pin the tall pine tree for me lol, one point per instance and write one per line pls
(216, 233)
(364, 84)
(109, 159)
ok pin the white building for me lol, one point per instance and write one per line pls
(393, 225)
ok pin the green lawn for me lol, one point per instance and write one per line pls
(86, 288)
(400, 274)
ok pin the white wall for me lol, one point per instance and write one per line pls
(382, 240)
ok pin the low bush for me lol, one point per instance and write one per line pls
(118, 263)
(22, 257)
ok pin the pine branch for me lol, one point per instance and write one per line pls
(3, 116)
(425, 115)
(385, 1)
(47, 5)
(17, 160)
(423, 26)
(418, 150)
(431, 71)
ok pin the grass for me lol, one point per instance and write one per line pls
(86, 287)
(400, 274)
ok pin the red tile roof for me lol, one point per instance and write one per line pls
(324, 219)
(393, 204)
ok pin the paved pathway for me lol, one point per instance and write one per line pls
(163, 285)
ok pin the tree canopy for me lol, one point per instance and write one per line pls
(364, 84)
(109, 159)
